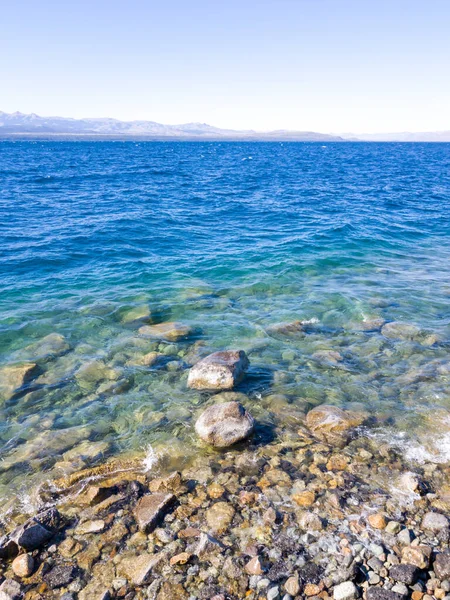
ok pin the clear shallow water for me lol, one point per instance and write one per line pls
(229, 238)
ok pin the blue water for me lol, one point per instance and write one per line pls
(229, 238)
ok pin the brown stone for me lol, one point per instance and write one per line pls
(170, 331)
(377, 521)
(151, 508)
(304, 499)
(292, 586)
(417, 555)
(215, 491)
(137, 569)
(219, 516)
(331, 424)
(180, 559)
(254, 566)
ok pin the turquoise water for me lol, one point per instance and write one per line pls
(229, 238)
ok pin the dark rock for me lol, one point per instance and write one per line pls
(151, 509)
(310, 573)
(442, 566)
(36, 532)
(404, 573)
(378, 593)
(60, 575)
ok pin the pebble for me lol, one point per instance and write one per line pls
(346, 591)
(23, 565)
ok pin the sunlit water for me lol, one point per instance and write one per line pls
(229, 238)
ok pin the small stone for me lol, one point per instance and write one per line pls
(434, 522)
(346, 591)
(137, 569)
(311, 589)
(151, 508)
(23, 565)
(309, 521)
(393, 527)
(292, 586)
(222, 425)
(377, 521)
(417, 555)
(304, 499)
(400, 331)
(417, 595)
(13, 377)
(273, 593)
(404, 573)
(215, 491)
(219, 371)
(254, 566)
(219, 516)
(180, 559)
(400, 588)
(405, 537)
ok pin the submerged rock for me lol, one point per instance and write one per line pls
(37, 531)
(23, 565)
(219, 371)
(13, 377)
(93, 372)
(331, 424)
(290, 328)
(222, 425)
(170, 330)
(138, 314)
(51, 345)
(400, 331)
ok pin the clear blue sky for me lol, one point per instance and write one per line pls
(323, 65)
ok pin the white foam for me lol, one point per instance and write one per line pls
(150, 459)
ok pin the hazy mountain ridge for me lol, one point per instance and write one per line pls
(19, 123)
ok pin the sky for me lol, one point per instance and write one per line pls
(316, 65)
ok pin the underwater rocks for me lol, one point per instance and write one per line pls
(171, 331)
(222, 425)
(94, 372)
(13, 377)
(290, 328)
(50, 346)
(137, 314)
(400, 331)
(151, 508)
(219, 371)
(331, 424)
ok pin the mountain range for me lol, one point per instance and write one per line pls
(23, 125)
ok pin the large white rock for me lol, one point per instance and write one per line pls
(219, 371)
(222, 425)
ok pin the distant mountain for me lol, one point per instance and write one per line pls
(406, 136)
(19, 124)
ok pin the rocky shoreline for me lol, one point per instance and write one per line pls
(321, 512)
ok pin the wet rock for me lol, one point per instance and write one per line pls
(222, 425)
(10, 590)
(328, 356)
(219, 516)
(90, 527)
(219, 371)
(292, 586)
(288, 328)
(332, 424)
(36, 532)
(208, 547)
(378, 593)
(435, 522)
(346, 591)
(95, 590)
(151, 508)
(137, 314)
(254, 566)
(13, 377)
(23, 565)
(404, 573)
(138, 569)
(377, 521)
(442, 566)
(93, 372)
(400, 331)
(180, 559)
(170, 331)
(60, 576)
(171, 483)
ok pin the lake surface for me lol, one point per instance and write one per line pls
(230, 239)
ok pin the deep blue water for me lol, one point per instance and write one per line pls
(229, 238)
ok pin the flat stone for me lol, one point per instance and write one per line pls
(346, 590)
(95, 590)
(137, 569)
(137, 314)
(222, 425)
(219, 371)
(219, 516)
(90, 527)
(171, 331)
(442, 566)
(151, 508)
(331, 424)
(14, 377)
(23, 565)
(404, 573)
